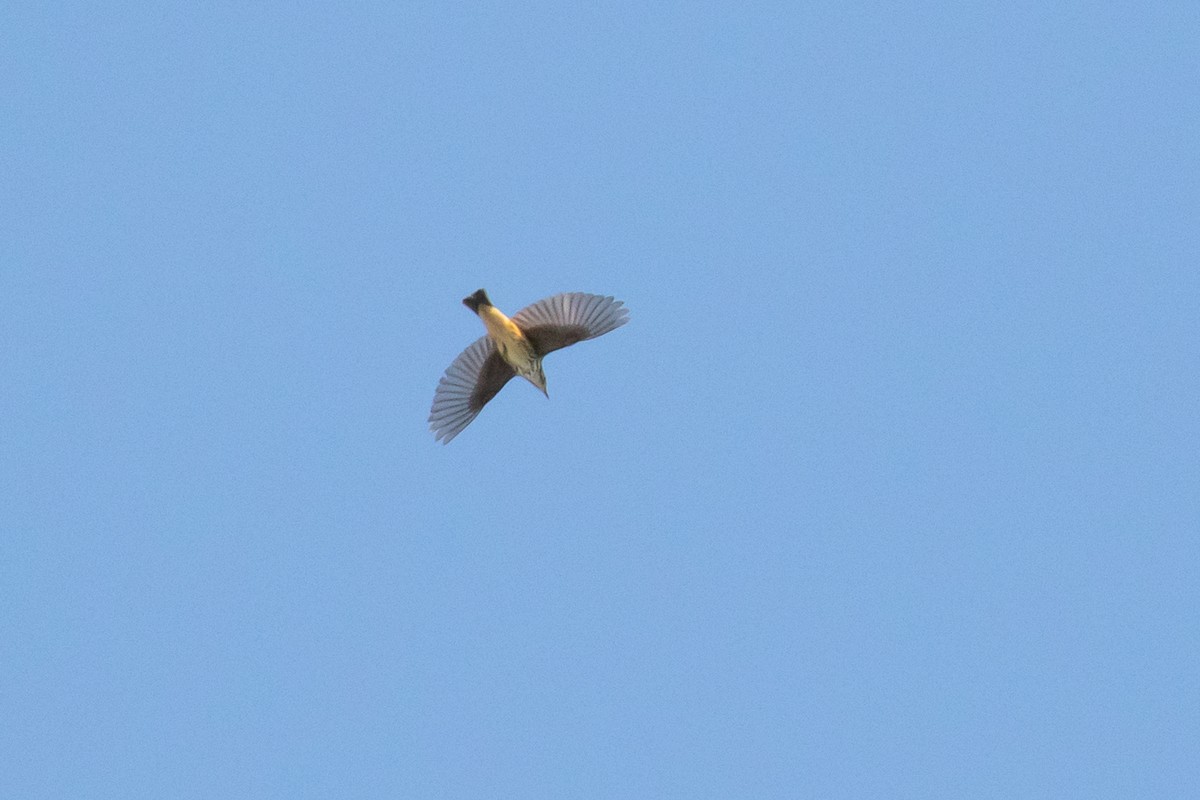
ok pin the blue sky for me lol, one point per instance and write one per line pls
(888, 489)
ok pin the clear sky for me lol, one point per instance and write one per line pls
(890, 487)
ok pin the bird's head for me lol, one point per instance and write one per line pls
(538, 378)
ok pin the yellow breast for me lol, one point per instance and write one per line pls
(510, 342)
(499, 327)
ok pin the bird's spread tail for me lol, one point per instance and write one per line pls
(476, 300)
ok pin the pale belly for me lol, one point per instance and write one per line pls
(517, 353)
(512, 345)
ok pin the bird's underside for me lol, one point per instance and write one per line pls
(482, 369)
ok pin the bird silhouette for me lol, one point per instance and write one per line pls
(515, 346)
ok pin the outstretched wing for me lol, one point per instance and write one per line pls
(469, 383)
(565, 319)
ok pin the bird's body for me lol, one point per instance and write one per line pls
(512, 344)
(515, 346)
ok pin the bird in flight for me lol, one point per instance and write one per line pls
(515, 346)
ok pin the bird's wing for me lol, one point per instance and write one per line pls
(469, 383)
(565, 319)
